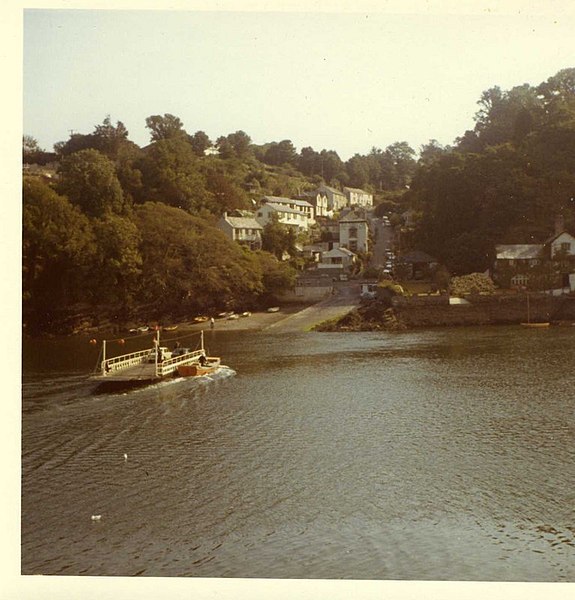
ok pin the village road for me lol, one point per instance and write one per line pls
(383, 242)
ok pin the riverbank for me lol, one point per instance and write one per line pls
(402, 313)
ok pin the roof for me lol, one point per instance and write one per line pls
(243, 223)
(352, 220)
(518, 251)
(330, 189)
(356, 190)
(338, 252)
(555, 236)
(280, 200)
(285, 209)
(417, 256)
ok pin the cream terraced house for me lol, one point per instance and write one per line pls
(301, 205)
(336, 200)
(319, 203)
(357, 197)
(285, 215)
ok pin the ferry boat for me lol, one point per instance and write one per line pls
(153, 364)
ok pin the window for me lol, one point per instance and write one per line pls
(566, 246)
(519, 280)
(353, 232)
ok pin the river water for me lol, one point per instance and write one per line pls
(433, 455)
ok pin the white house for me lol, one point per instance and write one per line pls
(358, 197)
(319, 203)
(354, 234)
(337, 258)
(302, 205)
(244, 230)
(561, 242)
(285, 215)
(336, 200)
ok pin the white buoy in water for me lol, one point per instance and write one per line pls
(96, 517)
(125, 457)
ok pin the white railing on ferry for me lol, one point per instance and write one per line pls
(123, 362)
(171, 364)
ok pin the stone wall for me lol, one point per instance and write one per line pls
(483, 310)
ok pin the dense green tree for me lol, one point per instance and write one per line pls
(200, 142)
(280, 153)
(332, 167)
(309, 162)
(277, 276)
(226, 194)
(402, 156)
(234, 145)
(110, 139)
(278, 239)
(89, 180)
(106, 138)
(430, 152)
(165, 127)
(507, 184)
(57, 250)
(171, 174)
(118, 263)
(357, 168)
(190, 265)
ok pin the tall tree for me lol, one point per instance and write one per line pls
(89, 180)
(57, 250)
(280, 153)
(236, 145)
(117, 261)
(165, 127)
(200, 142)
(171, 174)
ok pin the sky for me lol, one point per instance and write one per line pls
(334, 80)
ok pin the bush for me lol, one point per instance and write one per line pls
(473, 283)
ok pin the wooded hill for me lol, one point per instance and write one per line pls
(121, 227)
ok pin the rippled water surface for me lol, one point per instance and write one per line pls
(441, 454)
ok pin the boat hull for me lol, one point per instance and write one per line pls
(537, 325)
(198, 370)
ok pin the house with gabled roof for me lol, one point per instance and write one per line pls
(561, 242)
(513, 262)
(302, 205)
(336, 199)
(242, 229)
(338, 259)
(285, 215)
(417, 264)
(319, 202)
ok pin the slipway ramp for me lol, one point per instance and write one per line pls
(344, 301)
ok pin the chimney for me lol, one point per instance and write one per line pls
(559, 224)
